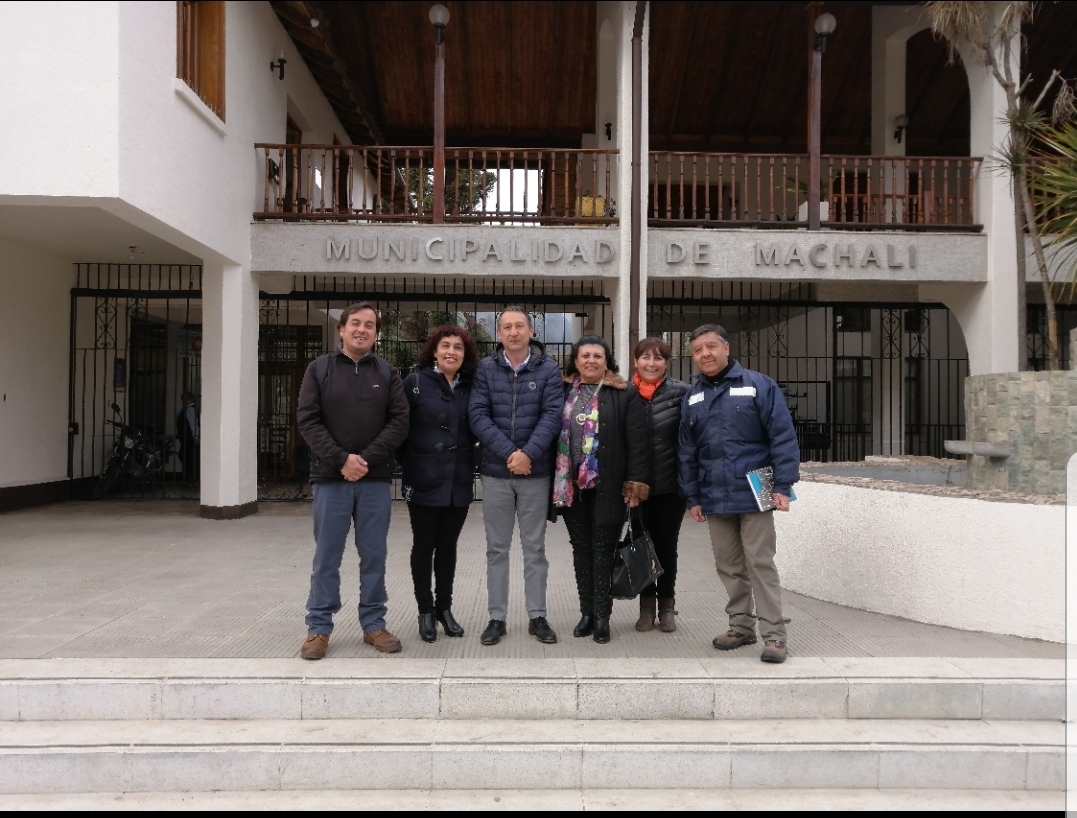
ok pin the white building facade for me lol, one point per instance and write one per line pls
(126, 213)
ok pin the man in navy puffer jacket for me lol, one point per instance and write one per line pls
(515, 412)
(733, 421)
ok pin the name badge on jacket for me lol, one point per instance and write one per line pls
(742, 391)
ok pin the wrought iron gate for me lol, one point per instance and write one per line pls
(300, 325)
(136, 332)
(860, 379)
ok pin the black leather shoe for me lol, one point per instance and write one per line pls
(428, 631)
(602, 630)
(541, 630)
(493, 633)
(451, 626)
(585, 626)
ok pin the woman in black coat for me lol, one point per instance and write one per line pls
(664, 510)
(601, 469)
(438, 461)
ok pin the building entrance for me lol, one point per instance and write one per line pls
(136, 341)
(860, 379)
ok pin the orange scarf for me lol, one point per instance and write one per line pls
(646, 390)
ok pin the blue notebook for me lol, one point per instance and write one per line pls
(762, 483)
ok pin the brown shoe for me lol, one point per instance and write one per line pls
(314, 646)
(733, 638)
(666, 613)
(774, 652)
(382, 641)
(648, 609)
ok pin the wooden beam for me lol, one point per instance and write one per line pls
(775, 40)
(685, 60)
(715, 106)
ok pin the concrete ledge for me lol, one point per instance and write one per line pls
(597, 691)
(436, 754)
(974, 447)
(228, 512)
(965, 563)
(599, 798)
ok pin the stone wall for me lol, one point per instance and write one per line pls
(1035, 415)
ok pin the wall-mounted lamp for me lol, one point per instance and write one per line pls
(824, 27)
(609, 131)
(901, 122)
(279, 65)
(439, 16)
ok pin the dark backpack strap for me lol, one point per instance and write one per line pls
(321, 370)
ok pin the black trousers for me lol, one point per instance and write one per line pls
(435, 531)
(188, 455)
(662, 516)
(593, 547)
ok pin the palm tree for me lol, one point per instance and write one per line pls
(1054, 177)
(969, 26)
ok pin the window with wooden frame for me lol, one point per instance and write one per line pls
(200, 50)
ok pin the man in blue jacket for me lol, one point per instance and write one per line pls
(515, 412)
(733, 421)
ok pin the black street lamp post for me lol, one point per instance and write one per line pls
(439, 16)
(824, 27)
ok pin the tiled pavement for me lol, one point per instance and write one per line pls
(151, 579)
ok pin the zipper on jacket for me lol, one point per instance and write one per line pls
(512, 417)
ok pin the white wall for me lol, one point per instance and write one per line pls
(176, 164)
(34, 320)
(92, 87)
(59, 91)
(955, 561)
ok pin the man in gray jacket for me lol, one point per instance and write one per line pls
(515, 412)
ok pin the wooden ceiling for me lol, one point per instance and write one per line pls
(517, 73)
(724, 76)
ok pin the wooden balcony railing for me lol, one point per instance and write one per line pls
(482, 185)
(771, 190)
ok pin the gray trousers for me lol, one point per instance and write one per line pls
(744, 546)
(504, 500)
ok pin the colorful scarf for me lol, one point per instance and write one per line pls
(564, 488)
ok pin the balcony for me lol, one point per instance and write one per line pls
(490, 186)
(928, 193)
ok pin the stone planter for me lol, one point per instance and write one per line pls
(1034, 416)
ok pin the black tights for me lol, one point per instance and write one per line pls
(593, 547)
(662, 516)
(435, 531)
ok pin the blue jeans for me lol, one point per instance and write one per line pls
(337, 504)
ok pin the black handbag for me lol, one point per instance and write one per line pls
(635, 565)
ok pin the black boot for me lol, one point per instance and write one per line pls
(428, 631)
(585, 626)
(602, 629)
(451, 626)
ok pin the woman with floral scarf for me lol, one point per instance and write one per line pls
(601, 470)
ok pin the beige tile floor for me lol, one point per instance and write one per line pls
(151, 579)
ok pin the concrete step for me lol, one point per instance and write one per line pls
(723, 687)
(562, 800)
(438, 754)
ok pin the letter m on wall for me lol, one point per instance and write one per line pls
(337, 251)
(766, 255)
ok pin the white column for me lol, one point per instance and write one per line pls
(988, 313)
(891, 28)
(614, 23)
(229, 449)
